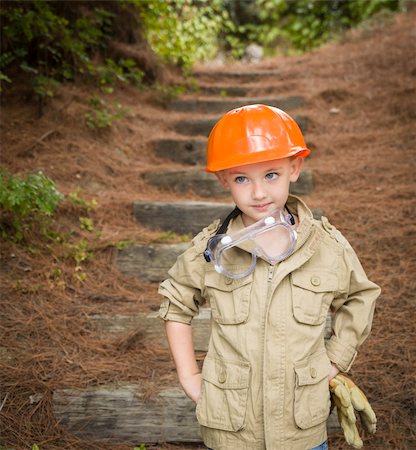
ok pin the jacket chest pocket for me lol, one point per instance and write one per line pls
(229, 298)
(312, 396)
(312, 294)
(223, 401)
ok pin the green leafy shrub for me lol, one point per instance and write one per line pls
(183, 31)
(25, 201)
(53, 42)
(299, 25)
(102, 115)
(125, 71)
(75, 199)
(44, 41)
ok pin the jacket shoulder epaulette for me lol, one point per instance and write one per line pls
(332, 230)
(201, 239)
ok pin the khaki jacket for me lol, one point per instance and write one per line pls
(265, 382)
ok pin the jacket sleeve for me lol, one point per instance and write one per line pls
(182, 290)
(353, 312)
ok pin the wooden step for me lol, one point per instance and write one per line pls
(202, 183)
(222, 105)
(206, 184)
(185, 217)
(123, 413)
(149, 263)
(180, 217)
(184, 151)
(237, 75)
(195, 127)
(152, 329)
(224, 90)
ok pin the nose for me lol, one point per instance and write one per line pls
(258, 192)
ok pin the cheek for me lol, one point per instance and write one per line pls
(237, 190)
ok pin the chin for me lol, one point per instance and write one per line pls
(251, 217)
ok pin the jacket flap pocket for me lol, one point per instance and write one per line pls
(319, 281)
(312, 398)
(215, 280)
(223, 401)
(226, 374)
(313, 370)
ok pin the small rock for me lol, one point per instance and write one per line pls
(253, 53)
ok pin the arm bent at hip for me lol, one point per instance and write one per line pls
(182, 349)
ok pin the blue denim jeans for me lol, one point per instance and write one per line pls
(323, 446)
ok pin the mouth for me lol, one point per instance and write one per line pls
(262, 206)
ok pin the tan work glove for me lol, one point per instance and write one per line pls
(348, 398)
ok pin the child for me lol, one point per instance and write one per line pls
(270, 284)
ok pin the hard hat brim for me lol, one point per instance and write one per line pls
(256, 157)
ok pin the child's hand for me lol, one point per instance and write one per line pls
(333, 372)
(191, 384)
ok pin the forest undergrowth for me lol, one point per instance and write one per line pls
(361, 105)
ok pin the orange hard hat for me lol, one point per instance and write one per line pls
(252, 134)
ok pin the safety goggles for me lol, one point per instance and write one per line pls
(272, 238)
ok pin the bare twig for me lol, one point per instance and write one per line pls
(4, 401)
(38, 141)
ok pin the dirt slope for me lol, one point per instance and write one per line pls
(361, 104)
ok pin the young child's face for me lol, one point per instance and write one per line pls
(259, 188)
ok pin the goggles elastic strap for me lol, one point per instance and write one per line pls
(222, 229)
(290, 216)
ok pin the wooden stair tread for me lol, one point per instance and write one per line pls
(207, 185)
(222, 105)
(203, 126)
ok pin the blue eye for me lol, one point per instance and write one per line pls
(240, 179)
(271, 176)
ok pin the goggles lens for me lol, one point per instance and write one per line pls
(271, 238)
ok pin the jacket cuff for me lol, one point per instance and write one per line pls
(170, 311)
(342, 356)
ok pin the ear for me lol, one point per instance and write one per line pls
(295, 166)
(222, 179)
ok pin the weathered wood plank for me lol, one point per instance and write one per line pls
(122, 413)
(185, 217)
(152, 328)
(180, 217)
(149, 262)
(237, 75)
(185, 151)
(221, 105)
(195, 127)
(224, 90)
(207, 185)
(203, 183)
